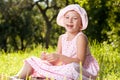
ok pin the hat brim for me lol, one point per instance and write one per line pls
(78, 9)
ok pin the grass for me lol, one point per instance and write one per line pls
(108, 59)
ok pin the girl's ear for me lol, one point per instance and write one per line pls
(80, 27)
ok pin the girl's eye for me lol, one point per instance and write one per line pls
(75, 18)
(67, 17)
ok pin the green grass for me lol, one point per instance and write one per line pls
(108, 59)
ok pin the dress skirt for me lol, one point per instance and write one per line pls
(45, 69)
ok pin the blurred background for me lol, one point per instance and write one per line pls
(28, 23)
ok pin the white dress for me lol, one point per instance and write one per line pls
(69, 71)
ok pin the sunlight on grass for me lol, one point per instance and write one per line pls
(108, 59)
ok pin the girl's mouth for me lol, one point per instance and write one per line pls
(69, 26)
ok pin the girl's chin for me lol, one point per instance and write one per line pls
(70, 31)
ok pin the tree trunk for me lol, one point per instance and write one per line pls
(47, 35)
(4, 45)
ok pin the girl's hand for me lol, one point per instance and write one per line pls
(52, 57)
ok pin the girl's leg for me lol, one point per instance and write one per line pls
(25, 71)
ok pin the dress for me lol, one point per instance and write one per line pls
(69, 71)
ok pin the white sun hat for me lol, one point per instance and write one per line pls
(81, 11)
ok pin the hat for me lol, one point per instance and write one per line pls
(81, 11)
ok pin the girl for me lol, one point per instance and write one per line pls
(72, 49)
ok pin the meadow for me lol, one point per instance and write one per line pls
(107, 57)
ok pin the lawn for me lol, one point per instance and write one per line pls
(108, 59)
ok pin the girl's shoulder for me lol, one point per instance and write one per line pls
(62, 35)
(82, 36)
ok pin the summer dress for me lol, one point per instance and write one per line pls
(69, 71)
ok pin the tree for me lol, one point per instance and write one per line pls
(17, 26)
(104, 20)
(49, 10)
(20, 27)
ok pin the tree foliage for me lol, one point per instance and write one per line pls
(16, 25)
(104, 21)
(27, 22)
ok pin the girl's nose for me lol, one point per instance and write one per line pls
(70, 20)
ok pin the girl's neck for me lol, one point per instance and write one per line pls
(72, 34)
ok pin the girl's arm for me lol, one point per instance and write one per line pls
(59, 46)
(82, 45)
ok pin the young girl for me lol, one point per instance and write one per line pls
(72, 49)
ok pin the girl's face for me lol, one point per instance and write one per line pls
(72, 21)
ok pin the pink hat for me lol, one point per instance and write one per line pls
(81, 11)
